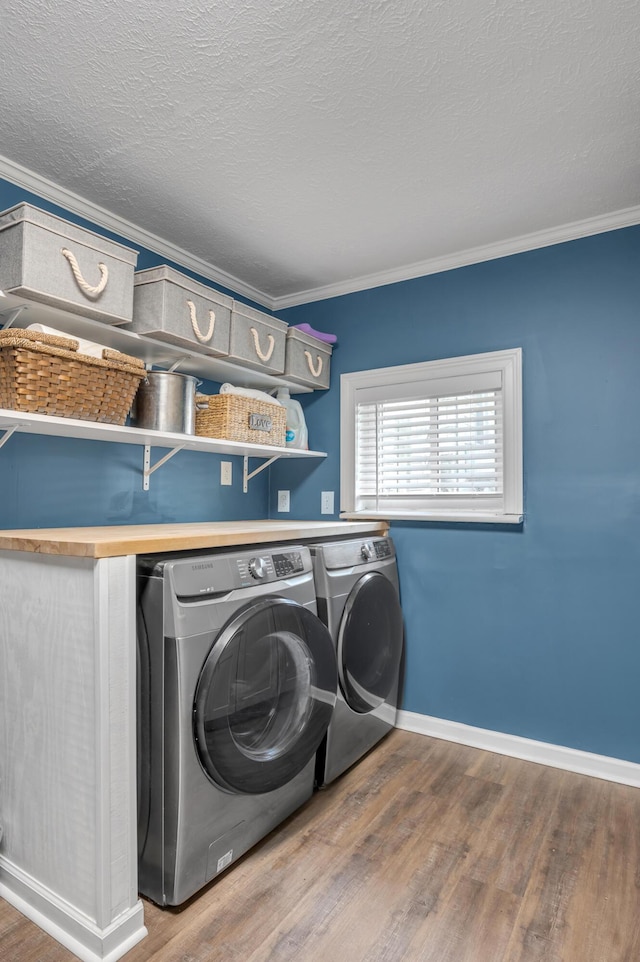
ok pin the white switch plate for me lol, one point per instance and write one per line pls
(225, 472)
(283, 501)
(326, 502)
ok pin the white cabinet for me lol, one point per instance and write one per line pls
(68, 858)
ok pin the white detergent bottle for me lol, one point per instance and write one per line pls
(296, 436)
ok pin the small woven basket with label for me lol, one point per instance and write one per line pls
(232, 417)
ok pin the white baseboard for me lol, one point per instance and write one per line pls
(556, 756)
(65, 924)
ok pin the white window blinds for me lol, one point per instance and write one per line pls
(429, 448)
(434, 439)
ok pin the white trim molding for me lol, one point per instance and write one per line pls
(542, 753)
(501, 371)
(628, 217)
(119, 225)
(70, 928)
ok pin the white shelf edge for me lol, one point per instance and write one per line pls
(43, 424)
(160, 353)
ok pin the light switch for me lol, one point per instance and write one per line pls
(326, 502)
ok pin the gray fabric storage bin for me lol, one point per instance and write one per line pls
(50, 260)
(307, 360)
(257, 339)
(171, 307)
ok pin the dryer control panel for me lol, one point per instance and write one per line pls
(347, 554)
(383, 548)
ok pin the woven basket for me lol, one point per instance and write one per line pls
(44, 374)
(235, 418)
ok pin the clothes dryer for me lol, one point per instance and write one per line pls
(359, 600)
(237, 684)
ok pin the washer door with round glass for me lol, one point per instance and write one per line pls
(265, 696)
(370, 643)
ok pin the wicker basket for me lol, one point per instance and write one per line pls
(235, 418)
(44, 374)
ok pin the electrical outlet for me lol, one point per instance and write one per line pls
(326, 502)
(283, 501)
(225, 472)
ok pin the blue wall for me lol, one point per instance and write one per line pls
(51, 482)
(529, 630)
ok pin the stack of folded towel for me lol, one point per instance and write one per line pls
(248, 392)
(89, 348)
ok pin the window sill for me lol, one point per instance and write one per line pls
(473, 517)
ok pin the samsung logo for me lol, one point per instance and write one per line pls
(205, 564)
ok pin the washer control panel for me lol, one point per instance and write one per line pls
(269, 567)
(199, 576)
(255, 568)
(288, 563)
(258, 567)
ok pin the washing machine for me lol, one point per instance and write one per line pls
(359, 601)
(237, 682)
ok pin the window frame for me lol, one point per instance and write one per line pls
(508, 363)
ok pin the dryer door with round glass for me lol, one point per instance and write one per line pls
(370, 643)
(265, 696)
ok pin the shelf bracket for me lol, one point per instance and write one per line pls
(246, 476)
(148, 469)
(7, 434)
(12, 315)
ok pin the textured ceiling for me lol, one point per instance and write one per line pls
(295, 144)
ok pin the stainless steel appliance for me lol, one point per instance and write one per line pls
(237, 684)
(358, 599)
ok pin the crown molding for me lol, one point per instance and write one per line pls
(56, 194)
(629, 217)
(67, 199)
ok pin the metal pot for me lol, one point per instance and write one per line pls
(166, 402)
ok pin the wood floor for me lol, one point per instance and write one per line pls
(425, 851)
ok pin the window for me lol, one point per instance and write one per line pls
(439, 440)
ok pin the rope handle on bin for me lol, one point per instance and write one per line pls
(196, 327)
(317, 369)
(85, 287)
(263, 355)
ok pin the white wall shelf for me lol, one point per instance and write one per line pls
(12, 422)
(21, 312)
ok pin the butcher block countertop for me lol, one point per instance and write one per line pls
(114, 541)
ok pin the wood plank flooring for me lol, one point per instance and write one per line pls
(426, 851)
